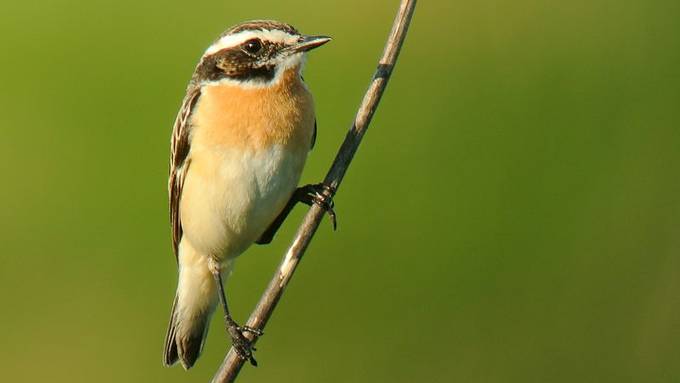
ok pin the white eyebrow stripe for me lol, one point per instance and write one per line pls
(229, 41)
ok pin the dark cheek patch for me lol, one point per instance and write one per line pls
(263, 73)
(235, 64)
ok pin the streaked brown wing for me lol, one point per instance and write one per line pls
(313, 136)
(179, 164)
(313, 133)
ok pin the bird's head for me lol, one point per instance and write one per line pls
(255, 53)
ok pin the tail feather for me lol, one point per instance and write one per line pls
(185, 337)
(170, 356)
(184, 344)
(192, 308)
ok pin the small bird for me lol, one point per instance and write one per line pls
(238, 147)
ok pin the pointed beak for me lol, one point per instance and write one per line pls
(307, 43)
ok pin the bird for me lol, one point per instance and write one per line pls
(238, 147)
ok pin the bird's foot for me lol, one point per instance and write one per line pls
(252, 330)
(243, 346)
(322, 195)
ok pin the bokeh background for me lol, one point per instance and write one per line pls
(513, 214)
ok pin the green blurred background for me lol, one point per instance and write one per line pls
(513, 214)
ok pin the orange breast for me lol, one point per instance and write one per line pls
(234, 116)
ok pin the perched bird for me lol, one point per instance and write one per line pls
(238, 148)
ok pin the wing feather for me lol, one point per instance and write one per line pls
(313, 136)
(179, 163)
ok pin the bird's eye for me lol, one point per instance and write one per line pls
(252, 46)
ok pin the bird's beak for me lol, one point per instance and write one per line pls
(307, 43)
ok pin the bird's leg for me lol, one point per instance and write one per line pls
(243, 346)
(319, 194)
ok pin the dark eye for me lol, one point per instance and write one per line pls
(252, 46)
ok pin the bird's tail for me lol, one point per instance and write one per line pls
(194, 304)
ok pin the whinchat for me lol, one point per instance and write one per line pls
(239, 144)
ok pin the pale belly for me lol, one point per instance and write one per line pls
(230, 196)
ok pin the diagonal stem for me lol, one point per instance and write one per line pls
(231, 366)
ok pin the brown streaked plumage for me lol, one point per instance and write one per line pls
(261, 25)
(179, 148)
(238, 147)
